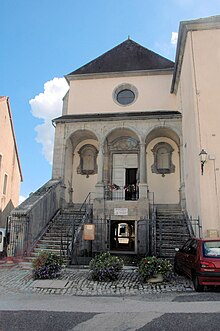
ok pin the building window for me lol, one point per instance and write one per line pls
(125, 97)
(5, 184)
(125, 94)
(88, 157)
(163, 159)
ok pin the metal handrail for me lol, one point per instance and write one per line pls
(197, 225)
(153, 231)
(70, 244)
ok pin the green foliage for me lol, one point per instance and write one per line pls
(150, 266)
(105, 267)
(46, 266)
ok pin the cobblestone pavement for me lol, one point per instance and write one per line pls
(78, 282)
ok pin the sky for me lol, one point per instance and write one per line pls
(43, 40)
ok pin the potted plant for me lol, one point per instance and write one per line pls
(105, 267)
(153, 269)
(47, 266)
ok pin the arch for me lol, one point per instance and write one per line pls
(78, 136)
(80, 167)
(163, 131)
(164, 164)
(115, 133)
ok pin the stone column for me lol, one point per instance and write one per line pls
(100, 184)
(142, 164)
(143, 184)
(100, 159)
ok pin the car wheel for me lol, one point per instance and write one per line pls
(197, 286)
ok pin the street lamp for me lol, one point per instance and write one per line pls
(203, 158)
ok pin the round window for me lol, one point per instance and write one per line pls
(125, 94)
(125, 97)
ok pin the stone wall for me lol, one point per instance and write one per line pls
(28, 221)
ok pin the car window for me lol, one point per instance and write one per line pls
(186, 246)
(192, 247)
(211, 248)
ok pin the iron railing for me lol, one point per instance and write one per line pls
(72, 234)
(194, 226)
(121, 194)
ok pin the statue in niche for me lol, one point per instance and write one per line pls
(88, 160)
(163, 159)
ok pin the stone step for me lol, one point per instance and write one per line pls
(44, 246)
(60, 228)
(52, 242)
(172, 232)
(171, 217)
(38, 250)
(58, 234)
(66, 223)
(171, 225)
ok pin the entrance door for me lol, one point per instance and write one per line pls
(124, 171)
(130, 183)
(122, 236)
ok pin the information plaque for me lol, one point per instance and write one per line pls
(89, 232)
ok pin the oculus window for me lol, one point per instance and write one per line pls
(125, 94)
(125, 97)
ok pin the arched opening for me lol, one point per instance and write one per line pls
(80, 175)
(163, 165)
(121, 175)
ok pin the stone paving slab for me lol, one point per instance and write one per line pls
(50, 283)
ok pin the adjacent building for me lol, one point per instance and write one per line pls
(10, 168)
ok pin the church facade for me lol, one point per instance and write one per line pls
(138, 129)
(138, 132)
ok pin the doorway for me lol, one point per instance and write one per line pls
(131, 184)
(122, 236)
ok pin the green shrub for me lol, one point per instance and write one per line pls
(150, 266)
(105, 267)
(46, 266)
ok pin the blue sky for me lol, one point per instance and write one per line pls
(45, 39)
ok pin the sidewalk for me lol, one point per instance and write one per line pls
(77, 282)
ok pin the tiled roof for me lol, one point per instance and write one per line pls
(127, 56)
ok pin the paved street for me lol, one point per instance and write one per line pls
(75, 302)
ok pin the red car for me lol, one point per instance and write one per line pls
(199, 259)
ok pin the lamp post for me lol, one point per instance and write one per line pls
(203, 158)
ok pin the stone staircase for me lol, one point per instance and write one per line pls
(59, 234)
(171, 231)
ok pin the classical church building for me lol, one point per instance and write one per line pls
(139, 140)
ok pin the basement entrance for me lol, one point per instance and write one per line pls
(122, 236)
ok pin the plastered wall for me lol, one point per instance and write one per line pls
(87, 96)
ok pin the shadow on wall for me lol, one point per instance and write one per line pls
(5, 213)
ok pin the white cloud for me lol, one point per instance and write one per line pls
(21, 199)
(174, 38)
(47, 106)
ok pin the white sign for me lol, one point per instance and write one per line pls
(120, 211)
